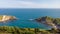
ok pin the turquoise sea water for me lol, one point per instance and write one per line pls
(25, 14)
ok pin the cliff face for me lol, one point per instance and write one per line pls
(4, 18)
(49, 21)
(45, 19)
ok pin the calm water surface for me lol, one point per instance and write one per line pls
(25, 14)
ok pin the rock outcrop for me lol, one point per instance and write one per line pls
(4, 18)
(49, 21)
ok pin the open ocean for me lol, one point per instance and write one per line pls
(25, 14)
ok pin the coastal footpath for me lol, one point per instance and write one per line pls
(4, 18)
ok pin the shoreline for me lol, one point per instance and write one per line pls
(49, 21)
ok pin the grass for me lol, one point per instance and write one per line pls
(18, 30)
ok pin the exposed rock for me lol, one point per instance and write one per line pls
(4, 18)
(49, 21)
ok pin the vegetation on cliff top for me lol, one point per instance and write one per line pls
(17, 30)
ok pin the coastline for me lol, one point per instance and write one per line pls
(54, 22)
(4, 18)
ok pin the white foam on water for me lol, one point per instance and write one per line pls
(30, 19)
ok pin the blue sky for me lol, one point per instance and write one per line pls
(29, 3)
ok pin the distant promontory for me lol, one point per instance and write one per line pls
(4, 18)
(55, 22)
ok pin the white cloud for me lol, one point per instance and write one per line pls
(27, 4)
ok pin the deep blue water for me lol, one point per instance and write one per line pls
(25, 14)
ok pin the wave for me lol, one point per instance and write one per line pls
(30, 19)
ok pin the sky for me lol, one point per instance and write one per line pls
(29, 3)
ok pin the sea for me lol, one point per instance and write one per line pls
(26, 17)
